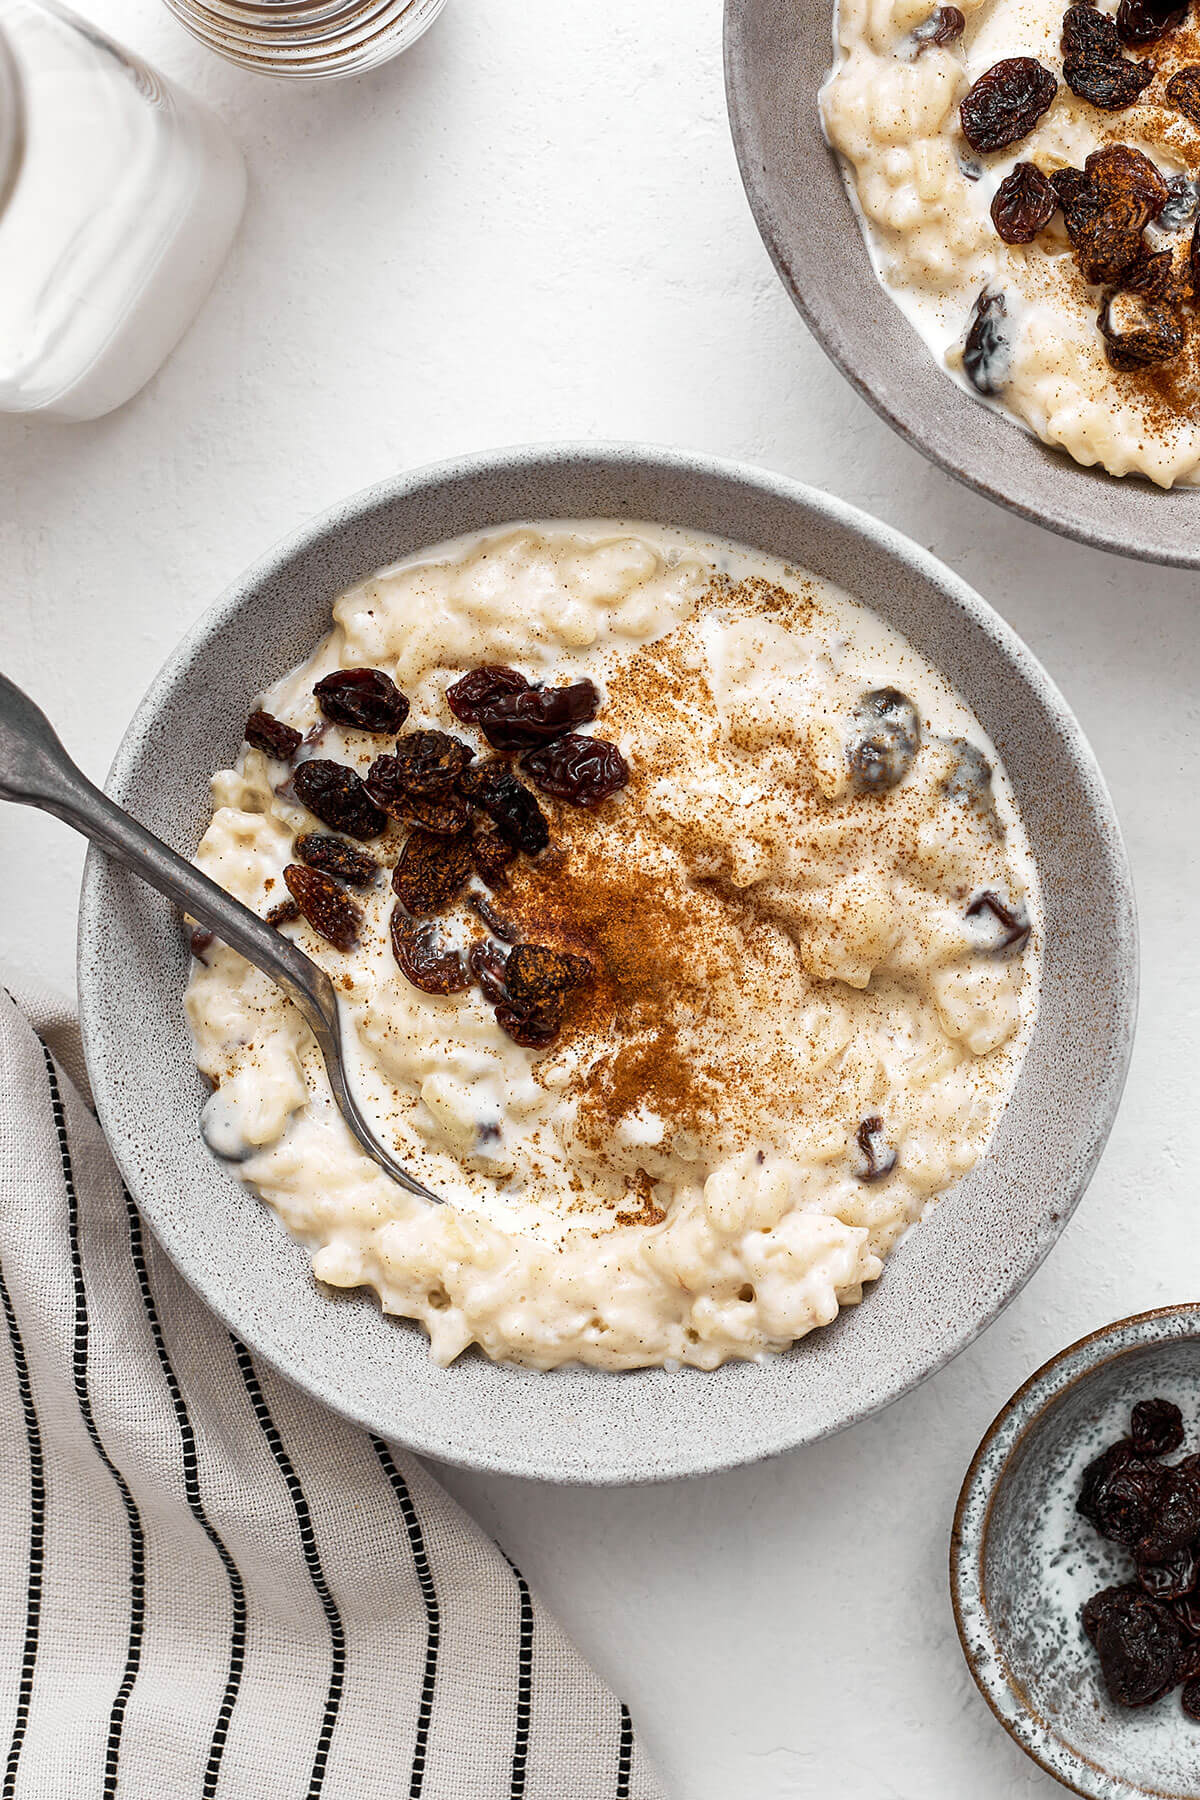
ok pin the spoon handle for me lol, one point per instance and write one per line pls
(35, 770)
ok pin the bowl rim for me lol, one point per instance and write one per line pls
(1075, 1363)
(1118, 538)
(618, 457)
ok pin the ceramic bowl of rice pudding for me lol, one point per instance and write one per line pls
(728, 924)
(988, 213)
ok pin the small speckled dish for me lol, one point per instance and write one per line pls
(942, 1285)
(777, 54)
(1022, 1563)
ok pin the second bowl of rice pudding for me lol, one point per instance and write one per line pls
(963, 286)
(730, 924)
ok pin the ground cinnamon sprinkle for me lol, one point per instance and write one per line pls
(640, 1024)
(641, 935)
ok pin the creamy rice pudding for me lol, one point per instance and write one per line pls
(1026, 176)
(708, 961)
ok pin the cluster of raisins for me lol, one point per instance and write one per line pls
(1108, 204)
(432, 784)
(1106, 207)
(1146, 1632)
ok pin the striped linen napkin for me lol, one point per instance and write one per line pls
(210, 1585)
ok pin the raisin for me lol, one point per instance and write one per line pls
(944, 26)
(537, 981)
(1139, 333)
(536, 974)
(1182, 201)
(483, 687)
(427, 763)
(270, 735)
(1023, 203)
(493, 854)
(581, 770)
(326, 905)
(537, 716)
(1093, 66)
(1175, 1525)
(1190, 1699)
(1183, 93)
(879, 1159)
(533, 1031)
(969, 780)
(1170, 1580)
(338, 798)
(1153, 277)
(1088, 32)
(1120, 1494)
(432, 871)
(487, 963)
(1094, 1609)
(986, 351)
(480, 904)
(1138, 1642)
(1187, 1611)
(508, 803)
(336, 857)
(1110, 242)
(283, 913)
(1188, 1666)
(447, 817)
(886, 742)
(363, 699)
(1014, 927)
(388, 784)
(1145, 21)
(1118, 172)
(1156, 1427)
(1006, 103)
(201, 942)
(1077, 197)
(422, 960)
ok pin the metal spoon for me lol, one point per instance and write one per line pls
(35, 770)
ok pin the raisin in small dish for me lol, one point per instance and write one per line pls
(1075, 1563)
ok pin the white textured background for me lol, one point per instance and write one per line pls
(532, 226)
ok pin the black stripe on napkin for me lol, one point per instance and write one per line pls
(137, 1535)
(429, 1598)
(191, 1488)
(312, 1561)
(37, 1542)
(624, 1754)
(520, 1756)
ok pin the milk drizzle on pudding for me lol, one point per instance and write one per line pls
(801, 951)
(1085, 351)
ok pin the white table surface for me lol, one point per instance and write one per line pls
(531, 227)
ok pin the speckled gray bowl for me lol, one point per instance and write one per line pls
(1022, 1563)
(944, 1283)
(777, 53)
